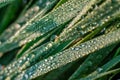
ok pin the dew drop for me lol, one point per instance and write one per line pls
(82, 45)
(17, 26)
(36, 8)
(77, 48)
(47, 3)
(26, 76)
(72, 48)
(46, 60)
(51, 58)
(53, 37)
(20, 61)
(48, 67)
(96, 6)
(71, 9)
(99, 69)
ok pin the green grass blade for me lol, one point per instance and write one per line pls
(39, 7)
(114, 26)
(91, 63)
(54, 19)
(63, 46)
(101, 74)
(117, 52)
(92, 21)
(9, 15)
(105, 67)
(111, 28)
(5, 2)
(67, 34)
(29, 59)
(32, 57)
(70, 55)
(60, 3)
(86, 10)
(31, 45)
(83, 69)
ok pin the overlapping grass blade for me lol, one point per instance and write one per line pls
(104, 68)
(30, 46)
(80, 14)
(97, 18)
(49, 22)
(64, 35)
(5, 2)
(94, 59)
(111, 27)
(60, 3)
(39, 54)
(117, 52)
(36, 54)
(86, 10)
(70, 55)
(9, 15)
(40, 8)
(101, 74)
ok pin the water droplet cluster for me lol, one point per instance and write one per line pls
(92, 62)
(98, 17)
(26, 31)
(28, 59)
(70, 55)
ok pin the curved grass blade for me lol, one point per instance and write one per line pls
(87, 9)
(101, 74)
(29, 46)
(111, 28)
(31, 57)
(69, 31)
(40, 8)
(92, 59)
(15, 25)
(91, 63)
(58, 73)
(117, 52)
(60, 3)
(105, 67)
(10, 15)
(5, 2)
(114, 26)
(28, 59)
(70, 55)
(97, 18)
(49, 22)
(89, 6)
(67, 43)
(29, 62)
